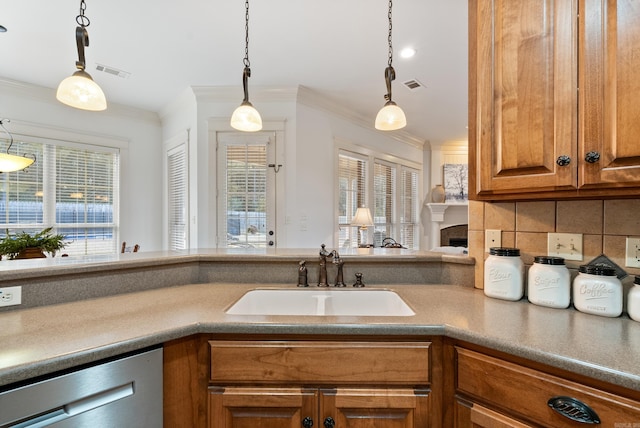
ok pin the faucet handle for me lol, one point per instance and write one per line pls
(359, 282)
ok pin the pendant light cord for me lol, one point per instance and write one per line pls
(247, 70)
(389, 72)
(389, 38)
(81, 19)
(246, 34)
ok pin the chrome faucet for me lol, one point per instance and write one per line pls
(322, 273)
(340, 263)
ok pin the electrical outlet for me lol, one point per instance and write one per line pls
(492, 238)
(633, 251)
(566, 245)
(10, 296)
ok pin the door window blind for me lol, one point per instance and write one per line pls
(409, 208)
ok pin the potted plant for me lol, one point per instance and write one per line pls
(25, 246)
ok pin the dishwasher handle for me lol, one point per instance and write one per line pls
(77, 407)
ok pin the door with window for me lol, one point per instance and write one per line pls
(246, 190)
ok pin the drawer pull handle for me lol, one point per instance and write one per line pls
(307, 422)
(574, 409)
(329, 422)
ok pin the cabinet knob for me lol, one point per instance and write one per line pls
(307, 422)
(574, 409)
(592, 157)
(329, 422)
(563, 160)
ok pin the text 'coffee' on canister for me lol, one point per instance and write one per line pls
(597, 290)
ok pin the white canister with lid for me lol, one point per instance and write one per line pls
(633, 302)
(549, 282)
(504, 274)
(597, 290)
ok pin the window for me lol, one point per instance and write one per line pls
(393, 197)
(352, 187)
(70, 187)
(178, 197)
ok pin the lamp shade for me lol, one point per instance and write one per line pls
(11, 163)
(246, 118)
(362, 218)
(390, 117)
(80, 91)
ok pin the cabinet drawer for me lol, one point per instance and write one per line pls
(524, 392)
(320, 363)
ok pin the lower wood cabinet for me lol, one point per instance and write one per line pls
(302, 407)
(326, 384)
(493, 392)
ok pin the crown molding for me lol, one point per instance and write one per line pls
(316, 100)
(47, 95)
(234, 93)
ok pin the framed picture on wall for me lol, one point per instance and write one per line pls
(456, 184)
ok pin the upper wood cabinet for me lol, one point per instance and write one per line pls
(552, 99)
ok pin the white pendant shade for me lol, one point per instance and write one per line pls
(80, 91)
(390, 117)
(246, 118)
(11, 163)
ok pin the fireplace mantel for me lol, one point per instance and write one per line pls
(438, 216)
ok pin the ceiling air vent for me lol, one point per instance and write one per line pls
(413, 84)
(113, 71)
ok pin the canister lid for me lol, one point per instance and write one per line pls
(604, 270)
(548, 260)
(504, 251)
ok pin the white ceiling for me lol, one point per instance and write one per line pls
(335, 47)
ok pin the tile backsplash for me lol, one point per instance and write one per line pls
(604, 225)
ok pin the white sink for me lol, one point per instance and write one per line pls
(321, 302)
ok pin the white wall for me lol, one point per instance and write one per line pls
(141, 163)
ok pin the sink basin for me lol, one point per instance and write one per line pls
(321, 302)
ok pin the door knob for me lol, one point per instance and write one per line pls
(592, 157)
(329, 422)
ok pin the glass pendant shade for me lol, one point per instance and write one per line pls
(80, 91)
(11, 163)
(390, 117)
(246, 118)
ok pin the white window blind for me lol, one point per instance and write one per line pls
(245, 195)
(409, 209)
(352, 188)
(177, 165)
(384, 193)
(72, 188)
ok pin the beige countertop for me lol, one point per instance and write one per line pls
(45, 339)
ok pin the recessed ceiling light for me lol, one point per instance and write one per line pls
(407, 52)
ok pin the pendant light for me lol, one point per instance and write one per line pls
(79, 90)
(9, 162)
(390, 117)
(246, 117)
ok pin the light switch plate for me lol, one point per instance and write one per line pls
(492, 238)
(565, 245)
(633, 252)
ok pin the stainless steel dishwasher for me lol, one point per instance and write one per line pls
(125, 392)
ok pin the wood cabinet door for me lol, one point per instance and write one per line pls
(374, 408)
(245, 407)
(609, 83)
(522, 95)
